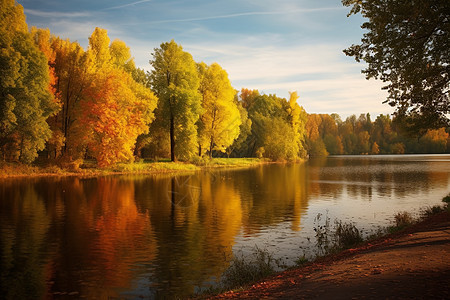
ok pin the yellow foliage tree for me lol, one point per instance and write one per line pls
(220, 121)
(434, 141)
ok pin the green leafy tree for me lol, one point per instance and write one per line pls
(406, 44)
(245, 130)
(219, 123)
(273, 118)
(175, 81)
(279, 140)
(348, 136)
(297, 118)
(25, 100)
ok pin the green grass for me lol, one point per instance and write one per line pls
(89, 167)
(17, 169)
(142, 167)
(233, 162)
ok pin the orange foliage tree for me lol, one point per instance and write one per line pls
(116, 109)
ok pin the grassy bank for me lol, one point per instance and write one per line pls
(332, 240)
(89, 168)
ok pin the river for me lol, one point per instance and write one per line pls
(166, 236)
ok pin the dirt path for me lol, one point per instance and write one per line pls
(414, 264)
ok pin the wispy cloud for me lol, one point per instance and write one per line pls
(246, 14)
(299, 48)
(56, 14)
(127, 5)
(325, 79)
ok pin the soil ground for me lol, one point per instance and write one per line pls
(412, 264)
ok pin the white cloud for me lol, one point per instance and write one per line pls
(325, 79)
(268, 60)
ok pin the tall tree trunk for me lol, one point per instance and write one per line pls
(211, 145)
(172, 138)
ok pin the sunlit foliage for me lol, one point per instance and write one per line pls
(25, 99)
(116, 109)
(219, 123)
(66, 104)
(175, 81)
(278, 126)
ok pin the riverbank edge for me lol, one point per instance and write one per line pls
(14, 170)
(263, 286)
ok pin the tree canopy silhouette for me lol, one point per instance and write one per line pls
(406, 44)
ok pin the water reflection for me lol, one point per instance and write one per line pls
(164, 236)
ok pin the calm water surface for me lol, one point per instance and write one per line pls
(166, 236)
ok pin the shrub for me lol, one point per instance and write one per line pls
(432, 210)
(446, 199)
(243, 271)
(403, 219)
(346, 235)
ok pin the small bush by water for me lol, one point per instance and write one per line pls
(403, 219)
(243, 270)
(432, 210)
(342, 235)
(347, 235)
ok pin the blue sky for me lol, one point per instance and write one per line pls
(275, 46)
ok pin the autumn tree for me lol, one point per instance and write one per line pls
(314, 141)
(175, 80)
(329, 133)
(43, 40)
(25, 99)
(375, 149)
(406, 44)
(122, 59)
(383, 133)
(219, 123)
(434, 141)
(116, 109)
(73, 69)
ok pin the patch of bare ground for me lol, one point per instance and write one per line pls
(411, 264)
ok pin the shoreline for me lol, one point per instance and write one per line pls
(20, 171)
(388, 266)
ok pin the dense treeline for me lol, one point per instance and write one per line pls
(328, 134)
(65, 103)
